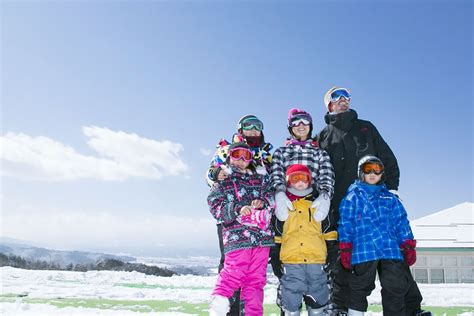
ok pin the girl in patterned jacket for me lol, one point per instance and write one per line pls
(243, 202)
(375, 236)
(249, 130)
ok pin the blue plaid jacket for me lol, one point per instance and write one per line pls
(374, 221)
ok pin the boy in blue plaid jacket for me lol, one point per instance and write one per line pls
(375, 236)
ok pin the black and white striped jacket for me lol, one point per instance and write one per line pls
(306, 153)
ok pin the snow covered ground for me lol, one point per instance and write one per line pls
(27, 292)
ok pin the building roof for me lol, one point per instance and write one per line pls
(450, 228)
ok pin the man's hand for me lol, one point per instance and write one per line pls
(395, 192)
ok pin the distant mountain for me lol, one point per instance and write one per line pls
(183, 261)
(202, 265)
(60, 257)
(158, 251)
(105, 264)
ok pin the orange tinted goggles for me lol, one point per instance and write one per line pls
(298, 176)
(369, 168)
(241, 153)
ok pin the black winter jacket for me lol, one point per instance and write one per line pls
(347, 139)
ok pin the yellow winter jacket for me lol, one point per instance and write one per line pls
(302, 239)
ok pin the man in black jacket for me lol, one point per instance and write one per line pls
(346, 139)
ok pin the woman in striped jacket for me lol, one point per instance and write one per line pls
(300, 149)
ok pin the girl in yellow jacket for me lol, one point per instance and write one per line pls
(303, 248)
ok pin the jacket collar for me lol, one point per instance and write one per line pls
(342, 121)
(294, 141)
(367, 188)
(238, 173)
(294, 195)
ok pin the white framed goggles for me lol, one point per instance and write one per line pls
(297, 122)
(302, 118)
(337, 94)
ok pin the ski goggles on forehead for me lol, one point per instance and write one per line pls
(298, 176)
(336, 95)
(301, 119)
(252, 123)
(369, 168)
(241, 153)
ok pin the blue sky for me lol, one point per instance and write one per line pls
(110, 109)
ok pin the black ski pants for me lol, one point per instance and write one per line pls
(338, 276)
(339, 282)
(393, 279)
(413, 297)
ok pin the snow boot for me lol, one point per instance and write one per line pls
(353, 312)
(219, 306)
(422, 312)
(316, 311)
(331, 310)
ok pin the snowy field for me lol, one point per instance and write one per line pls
(27, 292)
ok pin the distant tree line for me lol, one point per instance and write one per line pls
(104, 264)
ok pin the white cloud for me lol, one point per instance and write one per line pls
(120, 156)
(205, 152)
(78, 229)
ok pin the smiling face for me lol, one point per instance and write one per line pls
(301, 132)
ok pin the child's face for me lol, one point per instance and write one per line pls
(239, 164)
(372, 178)
(299, 185)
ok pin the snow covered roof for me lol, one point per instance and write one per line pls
(450, 228)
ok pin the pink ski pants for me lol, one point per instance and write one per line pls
(245, 269)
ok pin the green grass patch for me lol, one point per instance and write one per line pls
(147, 306)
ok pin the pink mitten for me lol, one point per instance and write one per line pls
(257, 218)
(263, 218)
